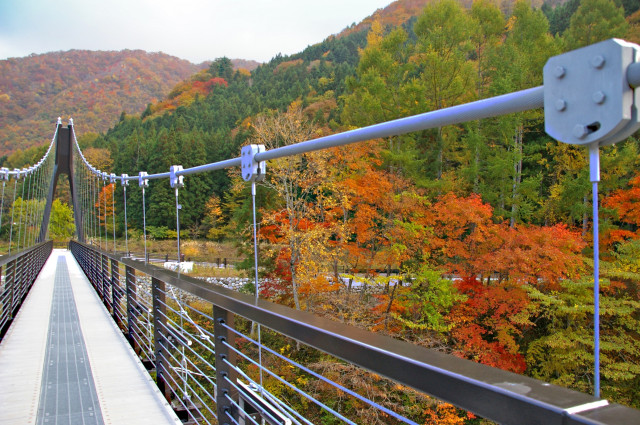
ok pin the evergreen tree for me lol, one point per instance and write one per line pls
(595, 20)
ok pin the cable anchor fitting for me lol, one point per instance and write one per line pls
(587, 96)
(252, 170)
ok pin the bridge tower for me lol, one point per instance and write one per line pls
(63, 165)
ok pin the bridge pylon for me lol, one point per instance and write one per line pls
(63, 165)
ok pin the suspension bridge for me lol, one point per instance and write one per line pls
(93, 335)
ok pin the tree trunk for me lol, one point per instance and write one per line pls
(391, 298)
(294, 284)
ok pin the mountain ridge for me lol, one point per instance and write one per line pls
(93, 87)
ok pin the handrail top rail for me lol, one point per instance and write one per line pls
(7, 258)
(444, 376)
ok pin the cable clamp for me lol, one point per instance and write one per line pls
(251, 169)
(125, 181)
(112, 178)
(143, 181)
(4, 173)
(176, 180)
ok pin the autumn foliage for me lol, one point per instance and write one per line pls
(185, 93)
(92, 87)
(487, 327)
(625, 204)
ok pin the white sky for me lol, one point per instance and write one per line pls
(196, 30)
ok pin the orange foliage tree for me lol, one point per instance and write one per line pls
(466, 241)
(488, 325)
(625, 204)
(105, 207)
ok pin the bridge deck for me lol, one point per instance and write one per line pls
(63, 361)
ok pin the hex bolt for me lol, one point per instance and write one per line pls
(580, 131)
(597, 62)
(560, 71)
(561, 105)
(599, 97)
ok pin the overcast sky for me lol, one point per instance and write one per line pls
(196, 30)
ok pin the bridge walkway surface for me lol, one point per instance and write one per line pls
(64, 361)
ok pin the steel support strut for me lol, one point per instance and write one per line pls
(63, 165)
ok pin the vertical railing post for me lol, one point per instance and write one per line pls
(11, 281)
(158, 291)
(31, 268)
(19, 282)
(132, 310)
(95, 270)
(90, 264)
(225, 374)
(99, 275)
(106, 281)
(5, 299)
(115, 291)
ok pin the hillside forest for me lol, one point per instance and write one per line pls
(92, 87)
(478, 234)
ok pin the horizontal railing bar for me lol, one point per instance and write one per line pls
(315, 375)
(492, 393)
(287, 384)
(178, 386)
(263, 412)
(142, 337)
(194, 336)
(195, 366)
(238, 408)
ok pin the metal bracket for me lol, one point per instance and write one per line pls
(125, 181)
(176, 181)
(252, 170)
(4, 173)
(587, 98)
(143, 181)
(17, 171)
(112, 178)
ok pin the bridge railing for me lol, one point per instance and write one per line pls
(18, 272)
(198, 339)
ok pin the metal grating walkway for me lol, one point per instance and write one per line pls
(63, 361)
(68, 393)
